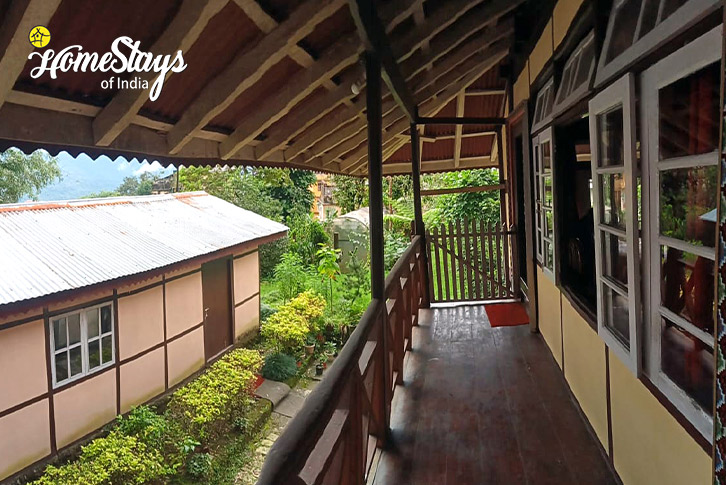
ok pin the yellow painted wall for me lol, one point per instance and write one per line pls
(521, 86)
(141, 321)
(84, 407)
(650, 446)
(549, 314)
(246, 281)
(562, 17)
(585, 368)
(24, 438)
(22, 364)
(541, 53)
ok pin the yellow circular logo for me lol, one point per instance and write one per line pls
(39, 36)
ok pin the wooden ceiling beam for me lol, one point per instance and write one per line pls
(398, 168)
(248, 67)
(430, 107)
(440, 46)
(430, 91)
(328, 135)
(374, 37)
(15, 48)
(189, 22)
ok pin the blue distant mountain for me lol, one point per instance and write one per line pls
(83, 176)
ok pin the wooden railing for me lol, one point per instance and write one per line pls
(334, 437)
(472, 261)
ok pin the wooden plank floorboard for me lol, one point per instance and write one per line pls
(485, 406)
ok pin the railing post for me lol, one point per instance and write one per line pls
(375, 197)
(417, 209)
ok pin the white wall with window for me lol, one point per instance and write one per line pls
(82, 342)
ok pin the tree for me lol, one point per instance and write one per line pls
(483, 206)
(290, 188)
(349, 193)
(24, 175)
(141, 185)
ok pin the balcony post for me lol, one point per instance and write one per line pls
(418, 211)
(375, 172)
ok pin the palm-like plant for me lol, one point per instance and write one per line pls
(328, 267)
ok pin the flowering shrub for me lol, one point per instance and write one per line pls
(309, 305)
(114, 459)
(206, 404)
(286, 330)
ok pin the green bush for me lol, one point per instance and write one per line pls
(199, 465)
(286, 330)
(291, 275)
(310, 306)
(206, 406)
(279, 367)
(266, 311)
(116, 459)
(306, 234)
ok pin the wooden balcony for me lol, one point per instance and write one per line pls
(482, 405)
(437, 396)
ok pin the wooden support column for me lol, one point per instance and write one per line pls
(503, 212)
(417, 209)
(375, 172)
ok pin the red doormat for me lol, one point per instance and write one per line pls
(506, 314)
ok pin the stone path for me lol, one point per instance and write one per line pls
(284, 410)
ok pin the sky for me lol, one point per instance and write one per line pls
(83, 176)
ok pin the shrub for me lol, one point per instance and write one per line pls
(207, 405)
(279, 367)
(286, 330)
(310, 306)
(199, 465)
(114, 459)
(291, 275)
(266, 311)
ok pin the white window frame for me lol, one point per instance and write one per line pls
(545, 94)
(540, 221)
(696, 55)
(571, 92)
(620, 93)
(83, 342)
(679, 21)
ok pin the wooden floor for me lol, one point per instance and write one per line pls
(484, 405)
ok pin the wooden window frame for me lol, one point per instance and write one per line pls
(619, 94)
(83, 343)
(679, 21)
(542, 121)
(545, 136)
(696, 55)
(576, 93)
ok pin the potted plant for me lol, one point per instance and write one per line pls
(310, 345)
(330, 351)
(319, 368)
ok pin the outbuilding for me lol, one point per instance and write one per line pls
(106, 304)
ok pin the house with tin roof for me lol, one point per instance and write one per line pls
(108, 303)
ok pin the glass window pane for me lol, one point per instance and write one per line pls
(106, 319)
(687, 286)
(549, 223)
(59, 333)
(615, 314)
(94, 354)
(615, 258)
(625, 21)
(688, 114)
(107, 349)
(92, 323)
(613, 199)
(547, 180)
(76, 360)
(689, 363)
(688, 204)
(61, 367)
(549, 255)
(74, 328)
(650, 16)
(587, 58)
(564, 88)
(546, 156)
(549, 101)
(610, 130)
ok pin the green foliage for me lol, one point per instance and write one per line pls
(114, 459)
(328, 266)
(145, 424)
(286, 330)
(279, 367)
(306, 235)
(349, 193)
(446, 208)
(270, 254)
(242, 424)
(205, 404)
(395, 245)
(24, 175)
(266, 311)
(199, 465)
(291, 274)
(290, 188)
(141, 185)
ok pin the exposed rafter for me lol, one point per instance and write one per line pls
(248, 68)
(374, 37)
(20, 18)
(189, 22)
(460, 102)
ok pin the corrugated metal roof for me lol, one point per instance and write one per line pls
(59, 246)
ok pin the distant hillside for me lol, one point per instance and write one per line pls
(83, 176)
